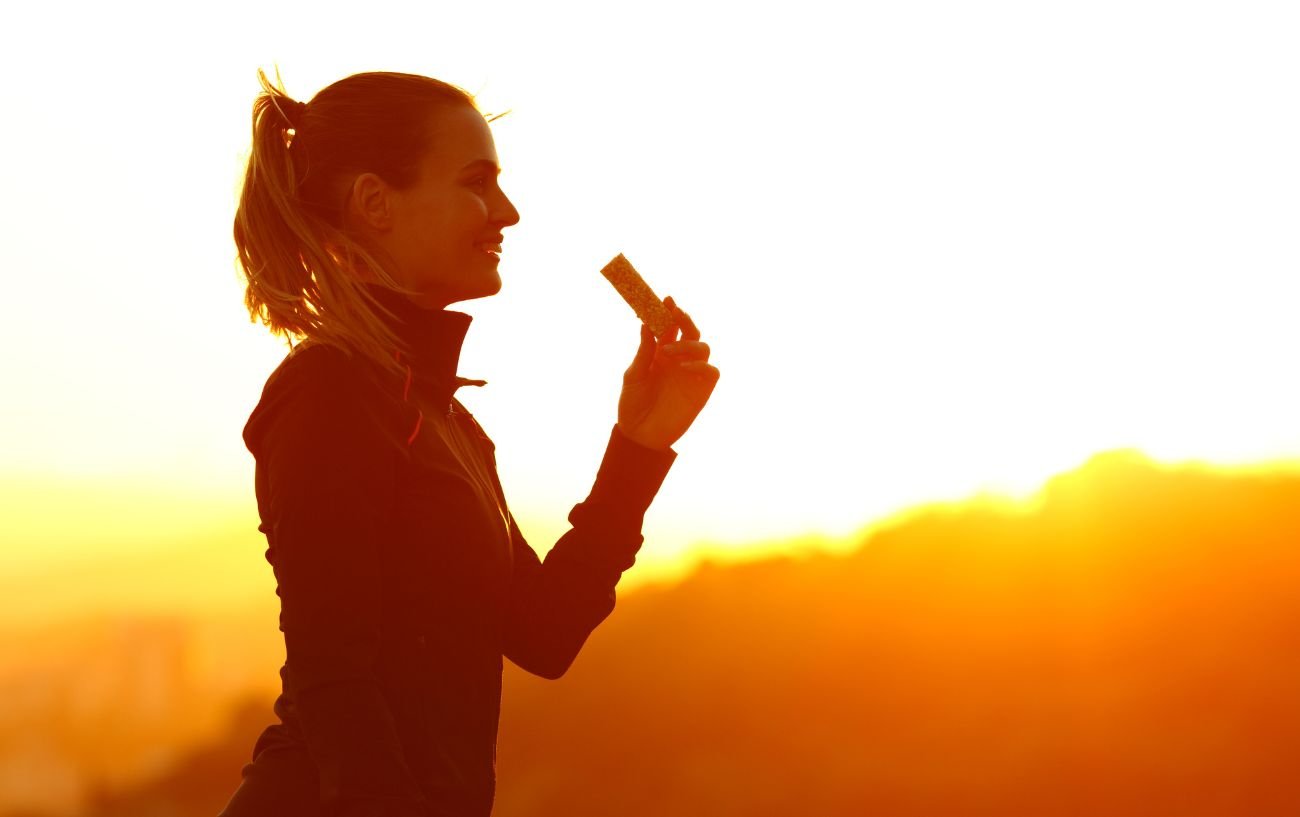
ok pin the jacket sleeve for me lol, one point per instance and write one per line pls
(329, 476)
(556, 603)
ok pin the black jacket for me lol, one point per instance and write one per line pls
(403, 579)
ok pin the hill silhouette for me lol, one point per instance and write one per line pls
(1126, 644)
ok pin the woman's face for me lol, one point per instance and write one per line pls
(444, 232)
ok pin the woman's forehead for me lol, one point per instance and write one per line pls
(460, 138)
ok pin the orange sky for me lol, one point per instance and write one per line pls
(937, 249)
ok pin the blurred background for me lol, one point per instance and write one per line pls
(993, 511)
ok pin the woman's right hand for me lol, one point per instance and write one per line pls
(667, 385)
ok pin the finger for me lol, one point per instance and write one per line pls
(645, 354)
(687, 350)
(700, 366)
(689, 330)
(670, 334)
(704, 370)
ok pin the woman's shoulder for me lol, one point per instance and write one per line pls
(314, 369)
(320, 384)
(312, 360)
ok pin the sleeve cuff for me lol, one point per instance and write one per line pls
(629, 477)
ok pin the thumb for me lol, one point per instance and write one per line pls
(645, 355)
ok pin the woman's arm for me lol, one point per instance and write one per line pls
(555, 604)
(326, 476)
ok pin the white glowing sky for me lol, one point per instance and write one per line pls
(937, 247)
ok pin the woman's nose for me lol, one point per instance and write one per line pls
(506, 213)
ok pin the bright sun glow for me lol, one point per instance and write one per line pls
(938, 248)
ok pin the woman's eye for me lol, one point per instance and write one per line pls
(479, 182)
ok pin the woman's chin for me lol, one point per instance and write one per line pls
(490, 284)
(439, 297)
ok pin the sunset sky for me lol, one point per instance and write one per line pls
(938, 248)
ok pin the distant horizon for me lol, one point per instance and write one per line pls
(226, 549)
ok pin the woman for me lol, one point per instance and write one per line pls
(402, 576)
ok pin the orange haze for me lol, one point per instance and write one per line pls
(1125, 644)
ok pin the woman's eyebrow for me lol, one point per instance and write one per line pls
(486, 164)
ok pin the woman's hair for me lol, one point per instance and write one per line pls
(300, 260)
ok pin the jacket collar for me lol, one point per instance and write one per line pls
(434, 338)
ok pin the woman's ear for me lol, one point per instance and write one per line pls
(370, 203)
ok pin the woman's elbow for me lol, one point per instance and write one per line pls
(546, 660)
(550, 665)
(547, 645)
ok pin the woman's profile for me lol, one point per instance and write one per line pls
(402, 576)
